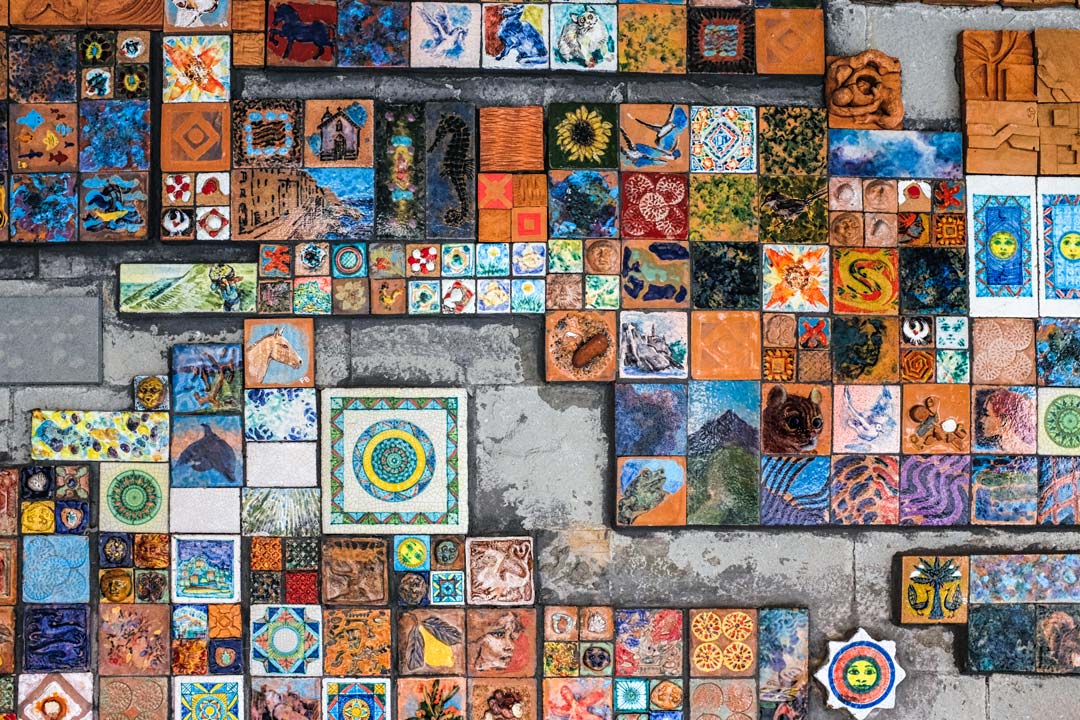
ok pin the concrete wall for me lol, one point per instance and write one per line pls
(541, 455)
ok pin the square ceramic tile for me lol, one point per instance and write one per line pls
(207, 377)
(207, 451)
(206, 568)
(134, 497)
(583, 204)
(313, 48)
(720, 40)
(282, 464)
(215, 510)
(55, 569)
(192, 694)
(377, 429)
(516, 36)
(367, 35)
(343, 696)
(585, 37)
(652, 38)
(280, 415)
(74, 692)
(499, 571)
(197, 68)
(723, 139)
(445, 35)
(286, 640)
(653, 345)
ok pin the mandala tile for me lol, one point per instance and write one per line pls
(134, 497)
(448, 588)
(286, 640)
(144, 698)
(55, 638)
(723, 139)
(207, 698)
(651, 491)
(345, 698)
(132, 640)
(865, 490)
(1059, 410)
(409, 460)
(206, 569)
(726, 699)
(56, 696)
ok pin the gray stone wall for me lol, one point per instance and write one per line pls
(541, 456)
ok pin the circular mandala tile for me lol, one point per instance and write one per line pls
(134, 497)
(394, 460)
(1062, 421)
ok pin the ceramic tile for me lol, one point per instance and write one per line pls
(71, 435)
(725, 276)
(934, 489)
(516, 36)
(196, 68)
(1004, 490)
(1001, 638)
(202, 509)
(895, 153)
(653, 345)
(514, 653)
(134, 496)
(583, 204)
(74, 691)
(437, 498)
(207, 451)
(650, 491)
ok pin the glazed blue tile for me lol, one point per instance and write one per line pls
(1059, 490)
(207, 451)
(56, 638)
(207, 377)
(492, 259)
(1059, 579)
(72, 517)
(1057, 351)
(42, 67)
(529, 258)
(226, 657)
(1003, 579)
(44, 207)
(55, 569)
(493, 295)
(412, 553)
(451, 171)
(190, 622)
(281, 415)
(114, 135)
(349, 260)
(1001, 638)
(896, 154)
(650, 419)
(794, 490)
(448, 587)
(115, 550)
(1004, 489)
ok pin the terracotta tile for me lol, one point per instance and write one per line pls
(723, 643)
(248, 49)
(936, 419)
(339, 133)
(44, 137)
(880, 195)
(580, 346)
(633, 472)
(790, 42)
(602, 257)
(1002, 138)
(1059, 125)
(512, 138)
(248, 15)
(863, 91)
(195, 136)
(712, 354)
(1057, 54)
(845, 229)
(654, 138)
(35, 13)
(997, 65)
(388, 297)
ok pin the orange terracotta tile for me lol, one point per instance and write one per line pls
(580, 346)
(195, 137)
(56, 13)
(790, 42)
(512, 138)
(1002, 138)
(936, 419)
(997, 65)
(712, 354)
